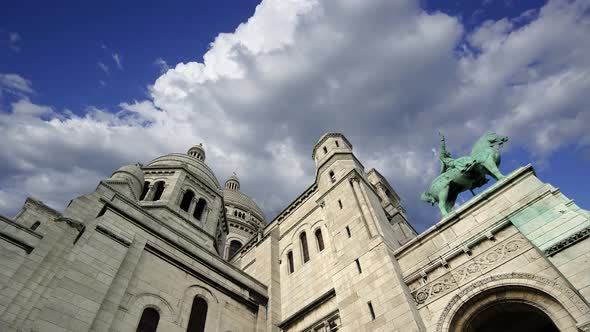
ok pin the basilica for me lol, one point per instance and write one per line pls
(166, 247)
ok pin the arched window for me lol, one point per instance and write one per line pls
(290, 262)
(332, 176)
(196, 321)
(159, 190)
(319, 239)
(304, 250)
(35, 225)
(146, 187)
(234, 246)
(199, 209)
(187, 198)
(325, 150)
(148, 321)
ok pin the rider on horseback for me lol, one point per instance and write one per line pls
(446, 161)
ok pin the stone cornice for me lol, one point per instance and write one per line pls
(71, 222)
(302, 198)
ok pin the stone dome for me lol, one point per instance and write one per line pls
(232, 183)
(194, 165)
(197, 151)
(132, 174)
(244, 202)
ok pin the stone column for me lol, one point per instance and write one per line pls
(150, 193)
(110, 305)
(363, 204)
(191, 208)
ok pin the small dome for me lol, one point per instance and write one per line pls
(232, 183)
(133, 174)
(197, 151)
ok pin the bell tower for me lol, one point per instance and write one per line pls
(334, 158)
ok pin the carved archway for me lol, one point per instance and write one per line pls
(561, 304)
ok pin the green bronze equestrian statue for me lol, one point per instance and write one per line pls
(465, 173)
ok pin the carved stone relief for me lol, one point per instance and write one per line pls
(478, 265)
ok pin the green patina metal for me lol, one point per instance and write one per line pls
(465, 173)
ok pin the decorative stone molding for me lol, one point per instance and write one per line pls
(475, 267)
(354, 178)
(135, 304)
(568, 242)
(113, 235)
(71, 222)
(563, 294)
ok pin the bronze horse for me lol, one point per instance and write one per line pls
(465, 173)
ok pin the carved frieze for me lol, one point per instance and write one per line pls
(475, 267)
(567, 242)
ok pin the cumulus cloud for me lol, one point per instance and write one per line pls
(385, 73)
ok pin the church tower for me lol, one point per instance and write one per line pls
(245, 219)
(182, 189)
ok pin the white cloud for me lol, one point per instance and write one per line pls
(118, 60)
(104, 67)
(15, 84)
(162, 64)
(385, 73)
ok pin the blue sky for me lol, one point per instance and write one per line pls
(87, 88)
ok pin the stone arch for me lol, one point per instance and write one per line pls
(150, 300)
(550, 296)
(301, 228)
(214, 310)
(235, 246)
(324, 229)
(284, 259)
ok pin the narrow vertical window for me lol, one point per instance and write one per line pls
(304, 249)
(358, 266)
(325, 150)
(148, 321)
(35, 225)
(290, 262)
(340, 203)
(234, 246)
(146, 187)
(337, 145)
(159, 190)
(348, 231)
(199, 209)
(371, 311)
(332, 176)
(320, 239)
(187, 198)
(196, 322)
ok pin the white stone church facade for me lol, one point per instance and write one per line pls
(164, 247)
